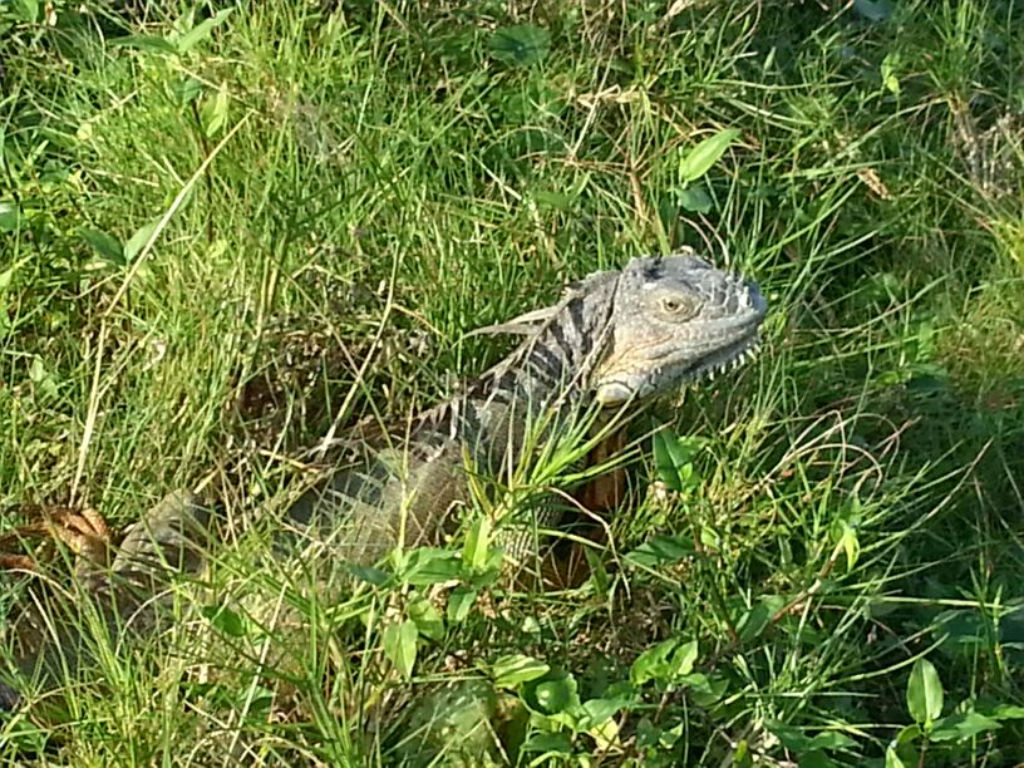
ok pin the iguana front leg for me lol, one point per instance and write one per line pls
(565, 565)
(605, 492)
(84, 532)
(126, 590)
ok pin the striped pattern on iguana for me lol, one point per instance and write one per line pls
(615, 339)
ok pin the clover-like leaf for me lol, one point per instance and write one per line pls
(521, 45)
(554, 694)
(694, 199)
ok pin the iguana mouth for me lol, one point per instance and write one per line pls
(615, 392)
(724, 360)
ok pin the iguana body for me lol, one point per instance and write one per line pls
(609, 339)
(615, 338)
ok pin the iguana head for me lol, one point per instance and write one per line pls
(673, 320)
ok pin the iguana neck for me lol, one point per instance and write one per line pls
(549, 371)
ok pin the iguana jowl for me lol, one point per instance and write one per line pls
(616, 338)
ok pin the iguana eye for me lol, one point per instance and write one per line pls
(678, 306)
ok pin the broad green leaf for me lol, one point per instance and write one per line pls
(36, 371)
(25, 10)
(706, 691)
(427, 618)
(832, 740)
(907, 735)
(6, 278)
(201, 31)
(699, 160)
(850, 543)
(399, 643)
(186, 90)
(599, 711)
(430, 565)
(214, 112)
(815, 758)
(548, 744)
(888, 70)
(661, 550)
(673, 458)
(683, 658)
(651, 664)
(741, 757)
(225, 620)
(368, 573)
(85, 131)
(106, 246)
(10, 216)
(478, 541)
(902, 750)
(647, 734)
(752, 623)
(522, 44)
(670, 736)
(694, 199)
(792, 738)
(548, 200)
(42, 378)
(666, 662)
(459, 604)
(491, 571)
(962, 727)
(555, 694)
(892, 760)
(1006, 712)
(139, 239)
(924, 693)
(809, 749)
(149, 43)
(509, 671)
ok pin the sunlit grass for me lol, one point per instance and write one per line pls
(378, 183)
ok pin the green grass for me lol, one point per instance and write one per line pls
(377, 180)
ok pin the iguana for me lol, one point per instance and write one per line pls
(614, 340)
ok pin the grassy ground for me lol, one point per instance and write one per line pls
(206, 226)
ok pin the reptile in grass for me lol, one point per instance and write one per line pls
(614, 341)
